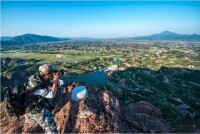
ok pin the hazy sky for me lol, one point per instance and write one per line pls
(98, 19)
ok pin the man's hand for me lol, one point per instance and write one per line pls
(56, 78)
(55, 83)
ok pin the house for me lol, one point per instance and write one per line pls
(59, 56)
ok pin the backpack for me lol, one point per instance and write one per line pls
(14, 100)
(20, 99)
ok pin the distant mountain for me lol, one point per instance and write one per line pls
(31, 38)
(6, 38)
(167, 33)
(170, 36)
(83, 38)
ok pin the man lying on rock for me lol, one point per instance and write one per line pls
(40, 100)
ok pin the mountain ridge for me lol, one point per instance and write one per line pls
(6, 38)
(31, 38)
(34, 38)
(169, 36)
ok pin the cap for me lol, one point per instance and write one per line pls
(78, 93)
(46, 68)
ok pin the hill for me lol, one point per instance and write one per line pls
(6, 38)
(30, 38)
(169, 36)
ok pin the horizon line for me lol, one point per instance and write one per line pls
(122, 36)
(100, 0)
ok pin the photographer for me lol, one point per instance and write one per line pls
(38, 105)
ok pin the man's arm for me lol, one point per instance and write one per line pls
(55, 84)
(49, 92)
(45, 93)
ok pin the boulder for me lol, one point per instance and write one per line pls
(145, 108)
(143, 123)
(142, 117)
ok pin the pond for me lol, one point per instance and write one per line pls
(95, 78)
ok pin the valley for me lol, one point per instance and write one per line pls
(163, 73)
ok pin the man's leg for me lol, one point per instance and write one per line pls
(46, 121)
(44, 118)
(57, 101)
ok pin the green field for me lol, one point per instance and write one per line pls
(69, 58)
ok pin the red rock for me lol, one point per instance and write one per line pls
(144, 107)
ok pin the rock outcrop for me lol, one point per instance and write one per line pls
(145, 108)
(144, 117)
(99, 112)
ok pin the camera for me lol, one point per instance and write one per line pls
(59, 71)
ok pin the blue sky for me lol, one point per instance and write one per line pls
(98, 19)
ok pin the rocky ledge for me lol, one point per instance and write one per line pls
(99, 112)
